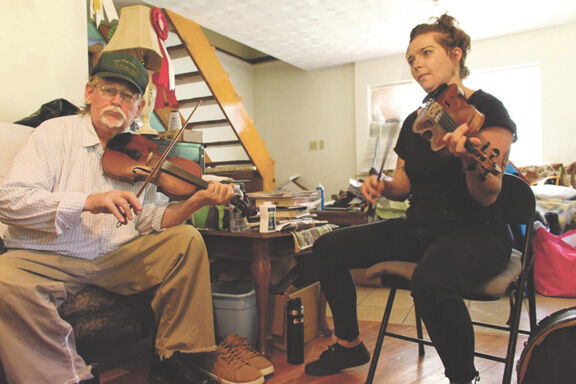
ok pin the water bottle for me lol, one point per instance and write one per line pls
(237, 222)
(295, 331)
(267, 217)
(320, 189)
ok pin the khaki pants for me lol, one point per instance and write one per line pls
(37, 346)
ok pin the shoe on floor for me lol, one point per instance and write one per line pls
(231, 368)
(183, 368)
(249, 354)
(336, 358)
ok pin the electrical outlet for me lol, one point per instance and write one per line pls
(313, 145)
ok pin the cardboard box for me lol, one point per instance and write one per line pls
(310, 297)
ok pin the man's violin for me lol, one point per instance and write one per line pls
(445, 109)
(132, 158)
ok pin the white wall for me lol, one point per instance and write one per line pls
(555, 50)
(44, 54)
(293, 107)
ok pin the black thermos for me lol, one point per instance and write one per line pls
(295, 331)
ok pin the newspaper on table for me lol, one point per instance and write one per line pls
(305, 238)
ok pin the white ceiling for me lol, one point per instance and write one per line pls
(312, 34)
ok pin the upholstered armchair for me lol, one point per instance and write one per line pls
(110, 329)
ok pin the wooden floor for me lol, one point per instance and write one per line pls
(399, 361)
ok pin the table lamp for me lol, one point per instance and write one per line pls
(136, 36)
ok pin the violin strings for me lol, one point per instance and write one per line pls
(447, 122)
(450, 125)
(182, 173)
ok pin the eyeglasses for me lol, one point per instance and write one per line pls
(127, 98)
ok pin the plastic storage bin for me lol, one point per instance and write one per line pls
(235, 310)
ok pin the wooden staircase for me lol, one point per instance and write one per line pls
(233, 146)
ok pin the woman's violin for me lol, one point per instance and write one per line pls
(443, 111)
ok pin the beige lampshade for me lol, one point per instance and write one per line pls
(136, 36)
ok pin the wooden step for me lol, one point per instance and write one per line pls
(228, 163)
(232, 168)
(188, 78)
(177, 51)
(207, 123)
(206, 100)
(222, 143)
(250, 176)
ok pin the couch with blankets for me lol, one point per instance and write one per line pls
(554, 186)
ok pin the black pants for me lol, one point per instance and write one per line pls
(449, 262)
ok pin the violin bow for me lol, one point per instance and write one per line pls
(158, 165)
(371, 211)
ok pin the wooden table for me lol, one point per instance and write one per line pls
(259, 248)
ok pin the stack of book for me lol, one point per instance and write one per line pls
(291, 207)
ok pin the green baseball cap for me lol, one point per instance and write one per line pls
(122, 66)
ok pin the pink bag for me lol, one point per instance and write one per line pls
(554, 263)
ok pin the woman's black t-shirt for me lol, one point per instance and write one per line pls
(439, 196)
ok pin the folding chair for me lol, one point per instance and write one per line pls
(517, 204)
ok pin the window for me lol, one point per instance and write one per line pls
(389, 105)
(517, 87)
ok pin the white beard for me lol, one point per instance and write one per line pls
(112, 122)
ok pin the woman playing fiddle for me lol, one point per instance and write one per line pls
(452, 228)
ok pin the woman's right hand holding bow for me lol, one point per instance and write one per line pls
(396, 188)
